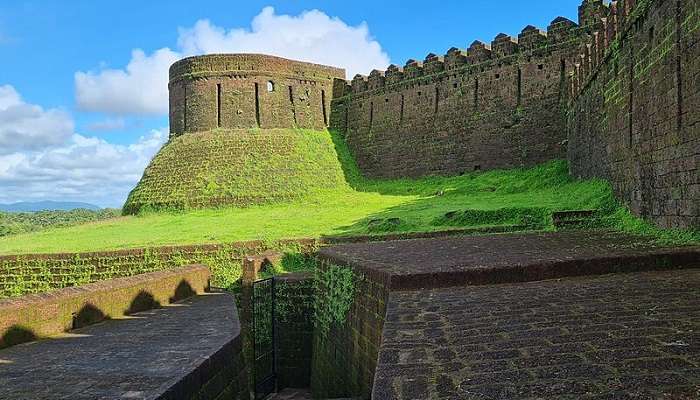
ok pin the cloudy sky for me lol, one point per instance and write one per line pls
(83, 83)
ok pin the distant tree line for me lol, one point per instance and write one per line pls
(24, 222)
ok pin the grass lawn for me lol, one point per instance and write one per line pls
(362, 206)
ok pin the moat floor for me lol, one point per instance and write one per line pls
(622, 336)
(135, 358)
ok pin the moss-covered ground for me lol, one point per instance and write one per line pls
(356, 205)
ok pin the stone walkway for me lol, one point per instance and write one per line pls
(460, 261)
(571, 315)
(136, 358)
(622, 336)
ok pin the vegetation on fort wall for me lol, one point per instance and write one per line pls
(335, 287)
(520, 199)
(26, 274)
(12, 223)
(236, 167)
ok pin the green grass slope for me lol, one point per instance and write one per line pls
(237, 167)
(342, 202)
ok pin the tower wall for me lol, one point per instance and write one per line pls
(235, 91)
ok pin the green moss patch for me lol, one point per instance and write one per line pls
(237, 167)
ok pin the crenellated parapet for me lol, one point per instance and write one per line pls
(606, 25)
(532, 38)
(478, 52)
(632, 111)
(504, 45)
(561, 32)
(455, 58)
(413, 69)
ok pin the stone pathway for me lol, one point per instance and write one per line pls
(569, 315)
(459, 261)
(622, 336)
(135, 358)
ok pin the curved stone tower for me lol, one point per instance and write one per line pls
(236, 91)
(244, 129)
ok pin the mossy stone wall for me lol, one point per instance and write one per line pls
(635, 115)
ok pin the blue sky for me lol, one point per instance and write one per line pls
(70, 123)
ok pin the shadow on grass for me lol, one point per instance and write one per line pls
(498, 198)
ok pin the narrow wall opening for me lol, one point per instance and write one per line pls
(291, 102)
(323, 107)
(257, 104)
(520, 86)
(218, 105)
(371, 115)
(476, 93)
(401, 111)
(184, 109)
(562, 79)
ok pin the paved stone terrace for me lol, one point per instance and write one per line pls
(136, 358)
(621, 336)
(459, 261)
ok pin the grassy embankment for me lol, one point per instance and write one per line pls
(355, 205)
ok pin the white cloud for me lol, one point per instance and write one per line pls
(28, 126)
(84, 168)
(311, 36)
(42, 158)
(141, 88)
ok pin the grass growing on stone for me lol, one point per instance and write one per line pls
(355, 205)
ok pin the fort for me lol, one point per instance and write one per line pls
(616, 94)
(522, 300)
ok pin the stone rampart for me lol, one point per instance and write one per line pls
(497, 105)
(634, 118)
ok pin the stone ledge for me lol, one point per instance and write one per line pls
(49, 314)
(187, 351)
(440, 263)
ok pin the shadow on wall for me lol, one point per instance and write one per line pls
(143, 301)
(88, 315)
(17, 335)
(183, 291)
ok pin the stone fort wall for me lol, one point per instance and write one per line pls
(634, 118)
(237, 91)
(496, 105)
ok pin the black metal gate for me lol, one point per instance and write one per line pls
(265, 364)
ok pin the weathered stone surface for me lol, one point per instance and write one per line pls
(234, 91)
(457, 261)
(344, 360)
(635, 115)
(294, 296)
(623, 336)
(53, 313)
(495, 107)
(178, 352)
